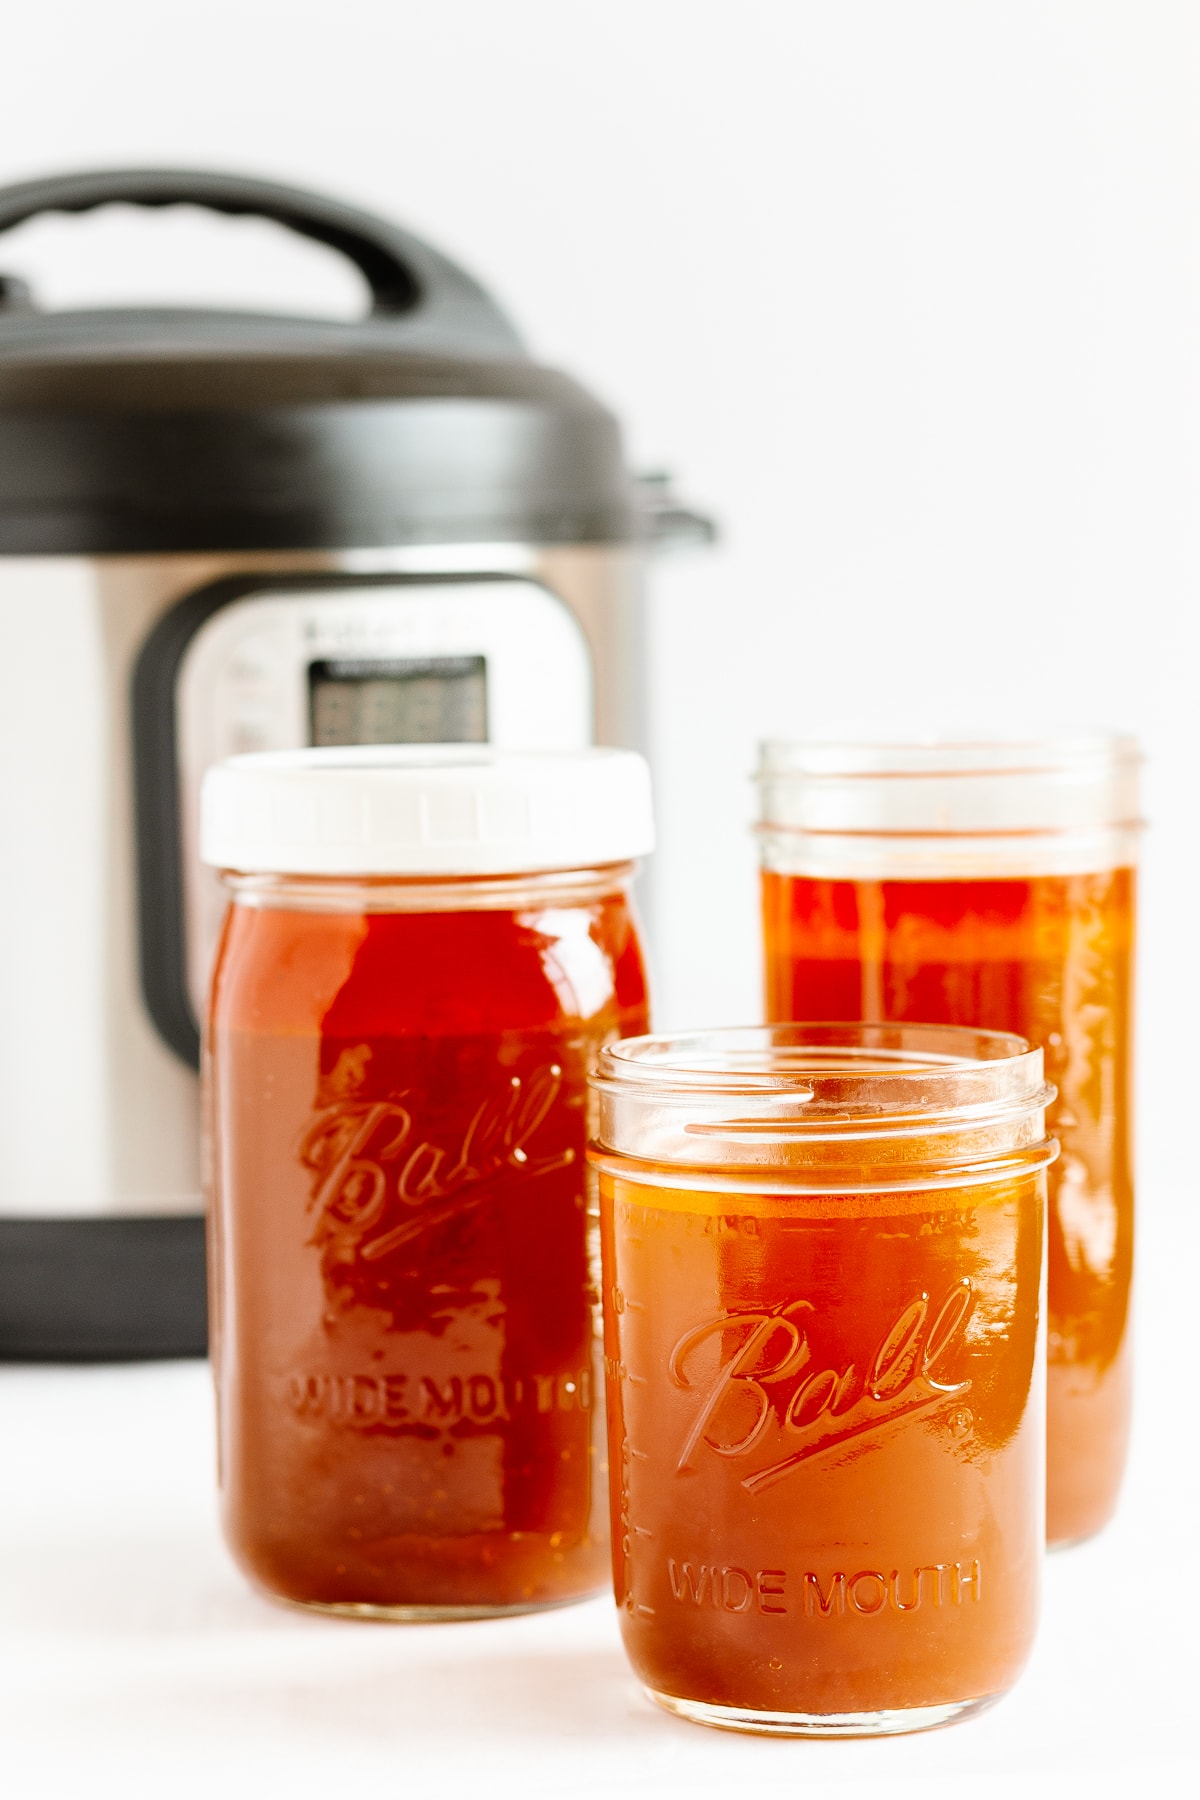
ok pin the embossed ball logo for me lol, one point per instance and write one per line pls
(380, 1181)
(760, 1388)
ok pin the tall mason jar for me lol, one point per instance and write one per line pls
(824, 1343)
(425, 950)
(989, 884)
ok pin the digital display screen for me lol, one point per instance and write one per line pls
(399, 700)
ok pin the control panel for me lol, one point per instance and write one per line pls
(477, 659)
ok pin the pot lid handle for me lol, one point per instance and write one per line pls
(405, 275)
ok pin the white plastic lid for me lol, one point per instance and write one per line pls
(439, 809)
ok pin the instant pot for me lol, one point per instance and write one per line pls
(224, 532)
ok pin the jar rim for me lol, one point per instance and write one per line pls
(511, 891)
(954, 754)
(949, 1095)
(1059, 802)
(824, 1060)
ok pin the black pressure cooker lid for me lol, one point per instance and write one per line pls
(137, 430)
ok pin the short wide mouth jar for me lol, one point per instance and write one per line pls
(825, 1349)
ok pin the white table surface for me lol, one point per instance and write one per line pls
(135, 1661)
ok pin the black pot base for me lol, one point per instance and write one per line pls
(87, 1290)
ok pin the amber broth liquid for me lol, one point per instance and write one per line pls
(826, 1438)
(404, 1337)
(1049, 957)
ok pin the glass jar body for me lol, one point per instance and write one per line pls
(1051, 958)
(992, 886)
(402, 1287)
(826, 1413)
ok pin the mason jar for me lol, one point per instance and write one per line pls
(824, 1351)
(993, 884)
(424, 951)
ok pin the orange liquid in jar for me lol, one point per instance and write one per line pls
(404, 1304)
(826, 1439)
(1048, 957)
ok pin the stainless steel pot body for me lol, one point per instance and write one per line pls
(98, 1082)
(181, 496)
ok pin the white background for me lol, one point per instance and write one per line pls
(905, 292)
